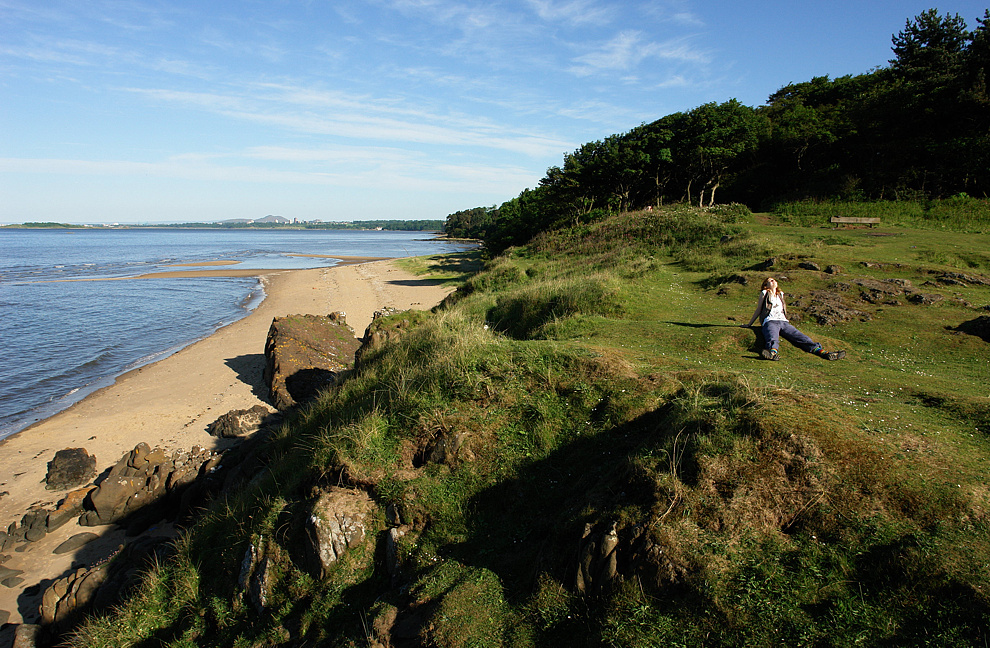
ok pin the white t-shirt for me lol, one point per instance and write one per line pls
(776, 308)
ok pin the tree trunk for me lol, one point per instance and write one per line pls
(711, 197)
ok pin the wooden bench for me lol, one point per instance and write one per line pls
(850, 220)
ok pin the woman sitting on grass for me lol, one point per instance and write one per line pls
(772, 312)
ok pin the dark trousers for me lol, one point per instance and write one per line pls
(773, 330)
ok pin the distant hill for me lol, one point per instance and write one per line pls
(273, 219)
(279, 220)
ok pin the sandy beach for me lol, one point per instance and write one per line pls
(170, 403)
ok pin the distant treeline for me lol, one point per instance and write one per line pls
(405, 226)
(42, 225)
(917, 129)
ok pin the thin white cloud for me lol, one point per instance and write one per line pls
(354, 117)
(677, 12)
(575, 12)
(627, 49)
(64, 51)
(676, 81)
(468, 17)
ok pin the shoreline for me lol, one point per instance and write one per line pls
(170, 402)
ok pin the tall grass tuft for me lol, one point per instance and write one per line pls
(527, 312)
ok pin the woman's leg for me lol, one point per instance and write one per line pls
(771, 334)
(797, 338)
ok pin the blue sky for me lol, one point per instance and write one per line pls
(150, 111)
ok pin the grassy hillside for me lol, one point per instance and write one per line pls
(582, 447)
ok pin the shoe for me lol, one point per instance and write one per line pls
(834, 355)
(768, 354)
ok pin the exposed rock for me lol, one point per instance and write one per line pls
(597, 559)
(146, 485)
(109, 500)
(306, 354)
(258, 572)
(392, 549)
(828, 308)
(960, 279)
(447, 447)
(99, 587)
(70, 506)
(925, 300)
(34, 524)
(260, 586)
(7, 572)
(250, 560)
(241, 423)
(337, 522)
(834, 269)
(378, 332)
(75, 542)
(766, 265)
(68, 595)
(810, 265)
(70, 468)
(28, 635)
(875, 265)
(876, 292)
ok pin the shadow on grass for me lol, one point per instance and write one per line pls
(533, 525)
(705, 325)
(465, 263)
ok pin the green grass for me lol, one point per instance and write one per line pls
(600, 377)
(959, 213)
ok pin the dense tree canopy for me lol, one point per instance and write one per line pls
(917, 128)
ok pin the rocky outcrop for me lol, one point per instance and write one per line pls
(70, 468)
(826, 308)
(447, 447)
(338, 521)
(305, 354)
(243, 422)
(597, 559)
(382, 330)
(959, 279)
(258, 571)
(101, 586)
(146, 485)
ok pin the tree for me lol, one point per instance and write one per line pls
(470, 223)
(716, 137)
(655, 141)
(930, 45)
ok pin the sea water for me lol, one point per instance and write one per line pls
(73, 318)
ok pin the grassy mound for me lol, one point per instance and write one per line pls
(581, 447)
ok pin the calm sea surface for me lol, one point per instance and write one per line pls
(62, 339)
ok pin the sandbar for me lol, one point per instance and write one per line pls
(170, 403)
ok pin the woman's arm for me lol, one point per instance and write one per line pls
(756, 313)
